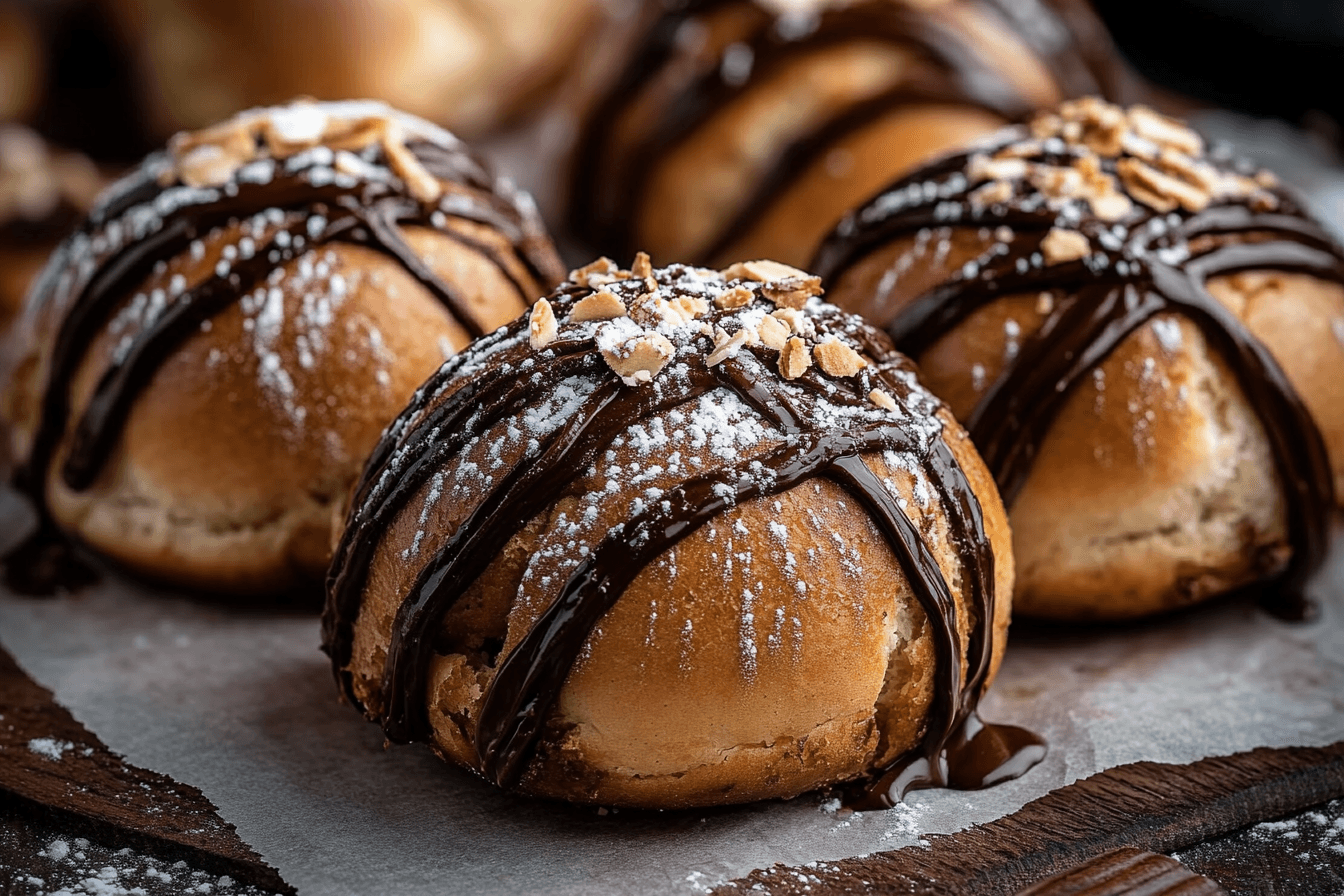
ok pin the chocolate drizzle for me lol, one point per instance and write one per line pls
(1144, 264)
(299, 203)
(482, 390)
(949, 69)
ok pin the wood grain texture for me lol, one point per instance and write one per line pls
(54, 770)
(1152, 806)
(1126, 872)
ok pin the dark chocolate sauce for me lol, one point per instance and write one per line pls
(455, 408)
(149, 217)
(1155, 264)
(949, 69)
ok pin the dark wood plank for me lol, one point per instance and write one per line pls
(1152, 806)
(55, 771)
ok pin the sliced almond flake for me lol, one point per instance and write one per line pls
(603, 265)
(1060, 246)
(837, 359)
(882, 399)
(794, 359)
(541, 325)
(727, 346)
(207, 165)
(981, 167)
(799, 323)
(774, 332)
(691, 307)
(601, 305)
(1165, 131)
(762, 270)
(792, 292)
(419, 182)
(996, 192)
(737, 297)
(1140, 178)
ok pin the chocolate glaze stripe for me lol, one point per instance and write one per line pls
(950, 70)
(1098, 304)
(378, 207)
(529, 679)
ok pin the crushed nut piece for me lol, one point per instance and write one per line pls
(602, 305)
(882, 399)
(794, 359)
(207, 165)
(995, 192)
(691, 307)
(792, 292)
(1060, 246)
(1111, 207)
(642, 267)
(737, 297)
(838, 359)
(637, 359)
(799, 323)
(583, 276)
(541, 326)
(763, 271)
(1159, 191)
(982, 167)
(419, 182)
(774, 332)
(726, 346)
(1164, 131)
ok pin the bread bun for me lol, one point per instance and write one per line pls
(740, 131)
(205, 364)
(677, 538)
(465, 65)
(43, 195)
(1142, 337)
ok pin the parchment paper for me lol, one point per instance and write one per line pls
(241, 704)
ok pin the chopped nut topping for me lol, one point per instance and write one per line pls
(541, 326)
(794, 359)
(792, 292)
(637, 359)
(207, 165)
(602, 305)
(652, 310)
(799, 323)
(982, 167)
(774, 332)
(763, 271)
(992, 193)
(1060, 246)
(1159, 191)
(643, 267)
(1111, 207)
(726, 346)
(584, 276)
(882, 399)
(1164, 131)
(691, 307)
(737, 297)
(838, 359)
(1045, 303)
(419, 182)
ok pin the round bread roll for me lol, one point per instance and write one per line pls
(1145, 340)
(466, 65)
(43, 195)
(679, 538)
(205, 364)
(746, 128)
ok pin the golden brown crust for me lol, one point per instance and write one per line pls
(775, 650)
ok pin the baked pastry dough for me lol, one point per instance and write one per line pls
(677, 538)
(1143, 338)
(204, 365)
(746, 129)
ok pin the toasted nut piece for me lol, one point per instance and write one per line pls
(652, 310)
(582, 276)
(882, 399)
(207, 165)
(726, 346)
(799, 323)
(774, 332)
(295, 128)
(541, 326)
(354, 134)
(763, 271)
(419, 182)
(643, 267)
(736, 297)
(993, 193)
(691, 307)
(792, 292)
(982, 167)
(602, 305)
(1164, 131)
(838, 359)
(1110, 207)
(1060, 246)
(637, 359)
(1160, 191)
(794, 359)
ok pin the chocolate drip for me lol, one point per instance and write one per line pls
(1156, 268)
(458, 407)
(367, 212)
(948, 69)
